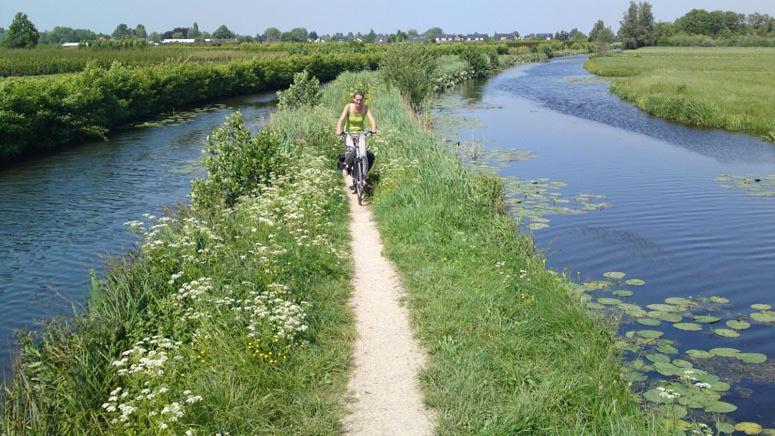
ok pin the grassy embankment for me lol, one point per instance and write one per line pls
(727, 88)
(232, 315)
(512, 350)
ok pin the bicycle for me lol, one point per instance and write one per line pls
(360, 166)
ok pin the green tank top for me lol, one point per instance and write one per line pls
(355, 122)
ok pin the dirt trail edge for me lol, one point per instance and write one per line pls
(384, 384)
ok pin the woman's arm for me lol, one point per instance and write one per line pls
(341, 119)
(371, 120)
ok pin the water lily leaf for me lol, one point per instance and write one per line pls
(656, 358)
(699, 354)
(738, 325)
(609, 301)
(761, 306)
(649, 322)
(725, 427)
(748, 428)
(673, 411)
(595, 306)
(663, 307)
(719, 300)
(718, 386)
(724, 352)
(634, 376)
(614, 275)
(537, 226)
(678, 301)
(727, 333)
(720, 407)
(635, 282)
(707, 319)
(665, 316)
(688, 326)
(653, 396)
(752, 357)
(668, 369)
(678, 425)
(682, 363)
(649, 334)
(667, 349)
(597, 285)
(763, 316)
(623, 293)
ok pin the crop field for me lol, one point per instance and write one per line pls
(728, 88)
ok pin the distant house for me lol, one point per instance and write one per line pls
(545, 36)
(178, 41)
(445, 38)
(505, 37)
(476, 37)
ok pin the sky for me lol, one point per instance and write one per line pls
(329, 16)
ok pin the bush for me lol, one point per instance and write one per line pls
(304, 91)
(476, 60)
(412, 69)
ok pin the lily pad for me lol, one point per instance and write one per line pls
(727, 333)
(668, 369)
(724, 352)
(688, 326)
(653, 396)
(699, 354)
(720, 407)
(748, 428)
(761, 306)
(609, 301)
(752, 357)
(663, 307)
(725, 427)
(667, 349)
(673, 411)
(614, 275)
(537, 226)
(682, 363)
(738, 325)
(634, 376)
(623, 293)
(596, 285)
(649, 334)
(719, 300)
(707, 319)
(656, 358)
(635, 282)
(678, 301)
(596, 306)
(763, 316)
(649, 322)
(665, 316)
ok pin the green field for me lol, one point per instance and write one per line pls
(728, 88)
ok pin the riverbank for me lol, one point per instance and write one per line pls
(726, 88)
(511, 348)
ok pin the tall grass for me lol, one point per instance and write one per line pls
(512, 350)
(230, 317)
(727, 88)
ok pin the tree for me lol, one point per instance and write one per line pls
(155, 37)
(2, 34)
(637, 26)
(575, 33)
(601, 33)
(223, 32)
(313, 35)
(122, 31)
(272, 34)
(21, 33)
(60, 35)
(433, 33)
(371, 36)
(193, 32)
(140, 32)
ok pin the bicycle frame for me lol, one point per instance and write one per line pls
(360, 163)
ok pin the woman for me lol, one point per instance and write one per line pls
(353, 118)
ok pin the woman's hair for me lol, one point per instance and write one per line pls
(358, 93)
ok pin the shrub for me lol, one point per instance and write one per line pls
(304, 91)
(412, 69)
(476, 60)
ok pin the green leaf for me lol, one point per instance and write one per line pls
(724, 352)
(682, 363)
(727, 333)
(678, 301)
(738, 325)
(649, 334)
(725, 427)
(720, 407)
(635, 282)
(761, 306)
(707, 319)
(719, 300)
(673, 411)
(748, 428)
(764, 316)
(665, 316)
(649, 321)
(609, 301)
(751, 357)
(623, 293)
(667, 349)
(663, 307)
(699, 354)
(688, 326)
(614, 275)
(657, 358)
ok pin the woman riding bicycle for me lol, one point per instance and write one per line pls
(353, 118)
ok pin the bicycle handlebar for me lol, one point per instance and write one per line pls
(367, 133)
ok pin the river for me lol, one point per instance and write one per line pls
(661, 202)
(62, 214)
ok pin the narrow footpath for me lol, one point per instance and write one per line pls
(384, 385)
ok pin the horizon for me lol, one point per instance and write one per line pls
(551, 17)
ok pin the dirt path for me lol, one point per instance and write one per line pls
(384, 385)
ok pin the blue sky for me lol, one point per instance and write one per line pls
(328, 16)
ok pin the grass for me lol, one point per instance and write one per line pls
(512, 350)
(727, 88)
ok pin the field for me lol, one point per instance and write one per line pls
(727, 88)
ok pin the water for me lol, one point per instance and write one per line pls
(669, 222)
(62, 215)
